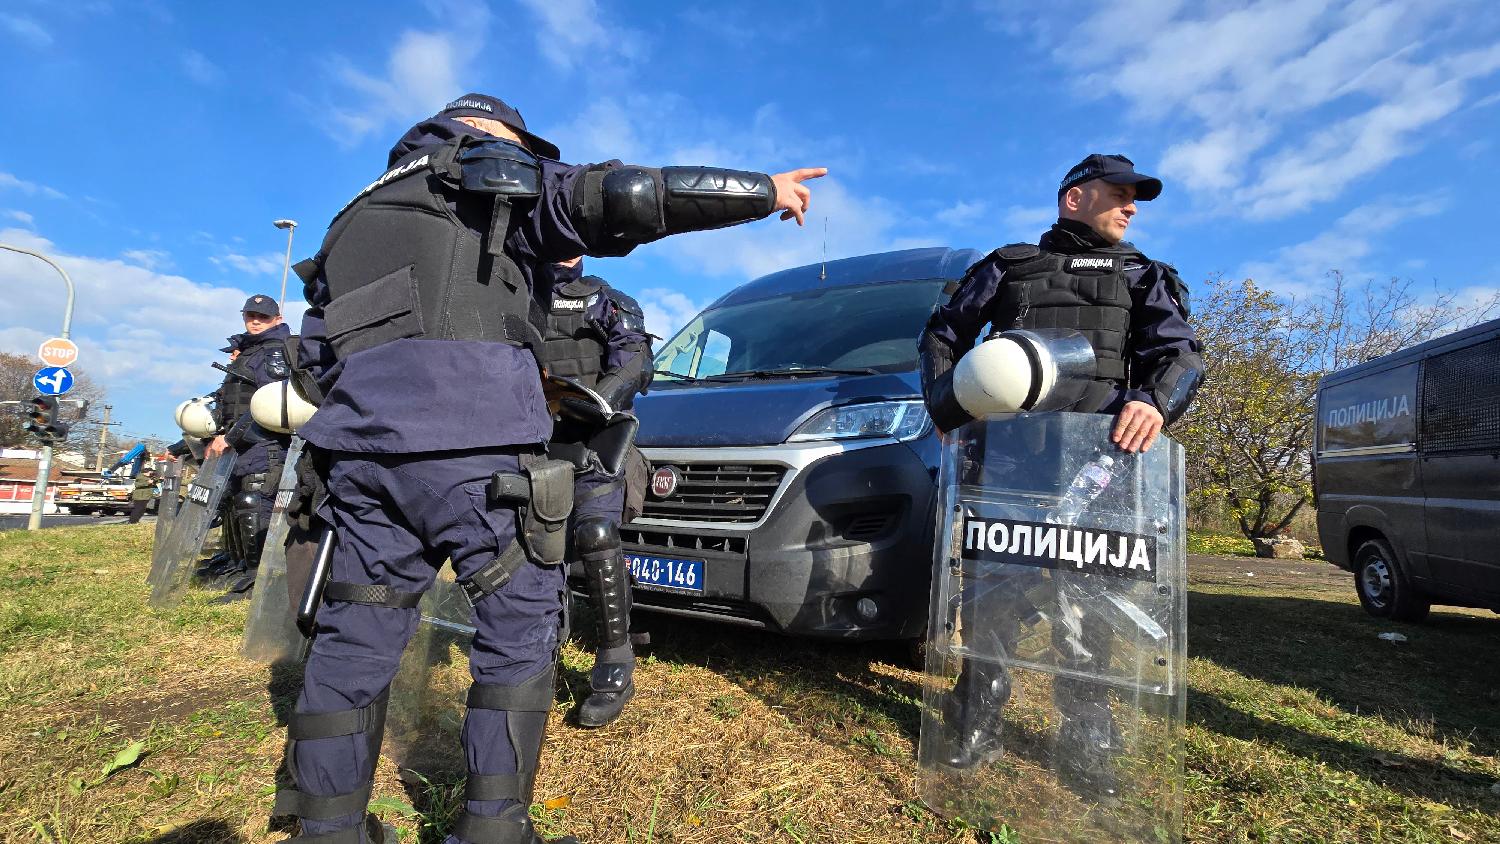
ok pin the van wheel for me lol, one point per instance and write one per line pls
(1382, 584)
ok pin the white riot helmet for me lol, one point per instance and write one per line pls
(278, 407)
(1023, 370)
(196, 418)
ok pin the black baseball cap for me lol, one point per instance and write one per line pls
(261, 304)
(494, 108)
(1116, 169)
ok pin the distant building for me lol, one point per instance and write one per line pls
(18, 481)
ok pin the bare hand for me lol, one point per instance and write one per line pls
(792, 199)
(1137, 427)
(217, 447)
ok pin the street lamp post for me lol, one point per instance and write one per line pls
(44, 466)
(291, 228)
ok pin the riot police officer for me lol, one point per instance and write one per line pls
(421, 351)
(596, 336)
(259, 356)
(1082, 276)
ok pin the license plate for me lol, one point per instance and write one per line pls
(666, 573)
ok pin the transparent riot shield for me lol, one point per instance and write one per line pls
(1053, 701)
(426, 713)
(271, 633)
(189, 529)
(166, 505)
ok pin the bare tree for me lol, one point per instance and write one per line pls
(15, 385)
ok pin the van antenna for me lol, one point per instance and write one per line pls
(823, 273)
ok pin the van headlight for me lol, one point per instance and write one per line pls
(902, 420)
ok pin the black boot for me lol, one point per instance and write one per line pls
(239, 588)
(611, 686)
(1087, 743)
(974, 714)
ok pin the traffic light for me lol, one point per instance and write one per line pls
(41, 420)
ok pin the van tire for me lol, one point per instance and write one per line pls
(1382, 584)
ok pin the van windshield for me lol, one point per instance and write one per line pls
(858, 328)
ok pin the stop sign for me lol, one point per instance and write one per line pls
(58, 351)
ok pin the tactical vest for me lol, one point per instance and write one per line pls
(262, 363)
(1086, 292)
(399, 263)
(574, 347)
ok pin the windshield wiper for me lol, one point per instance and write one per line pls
(677, 375)
(791, 373)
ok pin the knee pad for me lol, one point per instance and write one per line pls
(594, 536)
(368, 721)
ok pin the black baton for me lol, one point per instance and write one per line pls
(312, 596)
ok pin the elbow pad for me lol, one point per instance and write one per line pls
(642, 204)
(937, 385)
(1175, 383)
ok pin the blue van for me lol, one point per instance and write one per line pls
(794, 465)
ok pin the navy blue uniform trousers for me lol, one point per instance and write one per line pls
(397, 518)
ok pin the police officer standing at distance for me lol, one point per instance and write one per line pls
(421, 354)
(259, 358)
(596, 336)
(1085, 277)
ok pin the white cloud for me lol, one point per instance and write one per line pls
(151, 259)
(27, 30)
(29, 188)
(1287, 103)
(21, 217)
(1301, 268)
(1026, 222)
(423, 71)
(667, 310)
(962, 213)
(575, 29)
(268, 263)
(199, 69)
(142, 333)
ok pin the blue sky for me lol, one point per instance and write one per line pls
(149, 145)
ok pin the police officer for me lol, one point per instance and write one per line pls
(1083, 276)
(419, 350)
(142, 494)
(596, 336)
(259, 357)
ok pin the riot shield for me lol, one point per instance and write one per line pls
(189, 529)
(166, 505)
(1053, 700)
(426, 713)
(271, 632)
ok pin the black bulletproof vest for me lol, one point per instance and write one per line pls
(1086, 292)
(262, 363)
(574, 346)
(400, 263)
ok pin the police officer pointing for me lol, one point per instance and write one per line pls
(1082, 276)
(259, 357)
(596, 336)
(421, 351)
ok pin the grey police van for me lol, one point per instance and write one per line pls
(1407, 475)
(794, 464)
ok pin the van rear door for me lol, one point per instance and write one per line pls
(1460, 441)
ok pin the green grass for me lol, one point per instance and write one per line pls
(125, 725)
